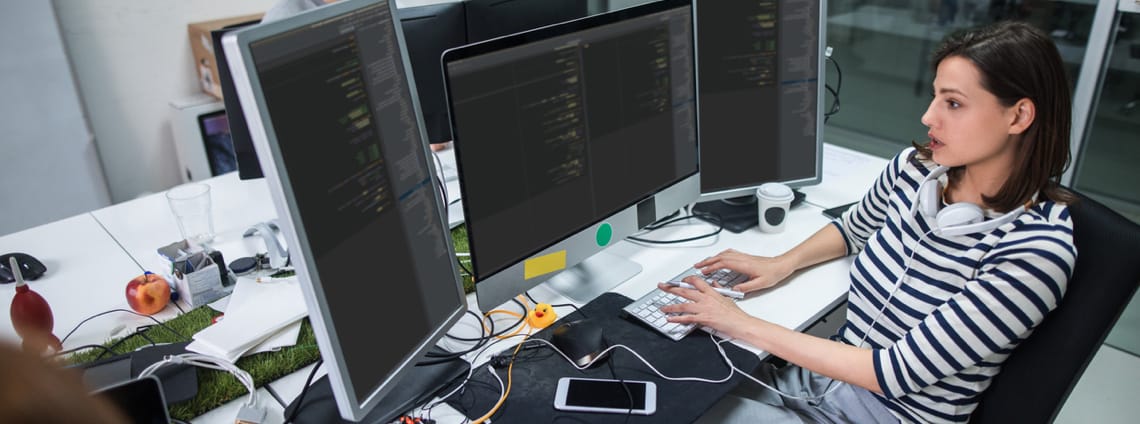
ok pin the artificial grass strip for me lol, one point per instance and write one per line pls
(216, 387)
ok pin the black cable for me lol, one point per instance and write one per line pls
(493, 335)
(85, 347)
(438, 358)
(156, 321)
(702, 215)
(624, 385)
(304, 389)
(275, 396)
(570, 305)
(468, 339)
(834, 91)
(666, 219)
(560, 305)
(138, 332)
(180, 311)
(439, 182)
(464, 268)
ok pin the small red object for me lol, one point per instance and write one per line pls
(32, 317)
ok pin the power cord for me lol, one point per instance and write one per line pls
(249, 412)
(439, 182)
(304, 390)
(838, 85)
(156, 321)
(139, 331)
(85, 347)
(439, 358)
(560, 305)
(691, 215)
(624, 385)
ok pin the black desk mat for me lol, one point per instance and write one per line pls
(537, 370)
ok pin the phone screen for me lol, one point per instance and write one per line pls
(605, 394)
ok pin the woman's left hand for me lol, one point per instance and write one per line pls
(706, 307)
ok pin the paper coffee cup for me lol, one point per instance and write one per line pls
(773, 201)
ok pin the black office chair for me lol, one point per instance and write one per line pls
(1037, 378)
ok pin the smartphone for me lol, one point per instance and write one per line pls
(610, 396)
(837, 212)
(141, 400)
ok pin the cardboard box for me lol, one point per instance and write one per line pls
(202, 46)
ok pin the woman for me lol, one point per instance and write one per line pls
(936, 302)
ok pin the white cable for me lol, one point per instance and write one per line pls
(502, 387)
(602, 355)
(210, 362)
(899, 283)
(831, 386)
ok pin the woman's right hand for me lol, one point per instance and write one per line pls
(763, 272)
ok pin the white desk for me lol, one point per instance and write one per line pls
(142, 225)
(87, 273)
(847, 175)
(796, 304)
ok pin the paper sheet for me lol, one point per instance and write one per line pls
(256, 313)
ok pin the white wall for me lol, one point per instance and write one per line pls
(131, 58)
(49, 166)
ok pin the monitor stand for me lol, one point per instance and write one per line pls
(417, 386)
(737, 214)
(593, 276)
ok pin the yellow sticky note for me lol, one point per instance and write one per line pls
(544, 264)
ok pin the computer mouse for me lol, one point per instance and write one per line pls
(30, 267)
(582, 341)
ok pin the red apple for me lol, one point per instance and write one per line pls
(148, 293)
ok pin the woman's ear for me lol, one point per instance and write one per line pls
(1024, 112)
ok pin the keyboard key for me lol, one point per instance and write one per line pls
(647, 308)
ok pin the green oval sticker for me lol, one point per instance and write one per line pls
(605, 233)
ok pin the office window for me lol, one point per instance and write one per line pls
(1106, 166)
(884, 48)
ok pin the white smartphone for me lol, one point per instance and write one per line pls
(611, 396)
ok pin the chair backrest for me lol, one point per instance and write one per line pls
(1037, 378)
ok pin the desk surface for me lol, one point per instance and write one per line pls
(87, 273)
(101, 249)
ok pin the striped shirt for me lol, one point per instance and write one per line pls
(965, 303)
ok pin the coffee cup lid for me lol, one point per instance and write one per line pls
(775, 192)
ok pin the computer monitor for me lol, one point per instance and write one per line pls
(570, 138)
(242, 146)
(337, 127)
(760, 94)
(487, 19)
(429, 30)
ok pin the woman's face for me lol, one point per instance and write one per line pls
(968, 125)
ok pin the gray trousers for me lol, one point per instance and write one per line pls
(752, 403)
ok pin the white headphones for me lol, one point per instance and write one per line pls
(959, 218)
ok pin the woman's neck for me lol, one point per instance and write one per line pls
(977, 181)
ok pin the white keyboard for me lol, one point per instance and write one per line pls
(647, 308)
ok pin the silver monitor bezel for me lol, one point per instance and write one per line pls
(237, 49)
(821, 91)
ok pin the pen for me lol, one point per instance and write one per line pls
(723, 291)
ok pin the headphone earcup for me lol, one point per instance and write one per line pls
(954, 220)
(928, 200)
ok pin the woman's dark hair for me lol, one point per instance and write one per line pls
(1018, 61)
